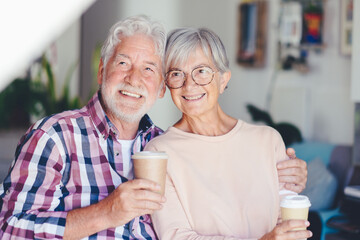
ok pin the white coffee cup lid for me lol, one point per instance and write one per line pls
(149, 154)
(295, 201)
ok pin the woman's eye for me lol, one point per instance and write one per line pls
(204, 71)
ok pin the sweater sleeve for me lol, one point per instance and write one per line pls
(280, 155)
(32, 191)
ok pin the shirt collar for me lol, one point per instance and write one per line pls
(103, 123)
(145, 124)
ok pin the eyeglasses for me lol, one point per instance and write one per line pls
(201, 76)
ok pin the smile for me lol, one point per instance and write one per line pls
(130, 94)
(194, 97)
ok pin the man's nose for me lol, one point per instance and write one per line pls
(133, 76)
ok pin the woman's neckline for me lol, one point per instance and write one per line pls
(236, 127)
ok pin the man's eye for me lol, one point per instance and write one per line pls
(149, 69)
(175, 74)
(123, 63)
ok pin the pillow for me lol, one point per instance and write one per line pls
(309, 150)
(321, 185)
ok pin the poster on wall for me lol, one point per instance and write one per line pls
(346, 25)
(313, 23)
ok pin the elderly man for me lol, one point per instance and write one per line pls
(72, 174)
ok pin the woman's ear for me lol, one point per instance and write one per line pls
(225, 78)
(100, 71)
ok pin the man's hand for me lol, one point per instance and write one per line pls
(293, 172)
(131, 199)
(283, 231)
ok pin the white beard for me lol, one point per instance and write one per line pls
(113, 105)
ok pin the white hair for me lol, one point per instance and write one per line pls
(130, 26)
(182, 42)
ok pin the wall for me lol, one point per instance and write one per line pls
(356, 80)
(355, 93)
(323, 94)
(66, 51)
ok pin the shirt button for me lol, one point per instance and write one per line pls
(117, 153)
(7, 191)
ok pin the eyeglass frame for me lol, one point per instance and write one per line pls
(186, 75)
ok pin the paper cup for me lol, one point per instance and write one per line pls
(295, 207)
(151, 165)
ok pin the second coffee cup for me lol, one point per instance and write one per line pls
(295, 207)
(151, 165)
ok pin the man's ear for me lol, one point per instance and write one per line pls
(225, 78)
(100, 71)
(162, 90)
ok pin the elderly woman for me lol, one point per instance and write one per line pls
(222, 180)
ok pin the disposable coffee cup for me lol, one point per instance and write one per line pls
(151, 165)
(295, 207)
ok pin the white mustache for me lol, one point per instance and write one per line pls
(138, 90)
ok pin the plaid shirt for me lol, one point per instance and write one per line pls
(67, 161)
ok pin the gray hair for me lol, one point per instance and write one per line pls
(130, 26)
(183, 41)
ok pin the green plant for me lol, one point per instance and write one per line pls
(26, 97)
(289, 132)
(50, 103)
(95, 60)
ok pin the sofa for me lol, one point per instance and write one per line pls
(329, 166)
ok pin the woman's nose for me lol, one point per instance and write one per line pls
(189, 81)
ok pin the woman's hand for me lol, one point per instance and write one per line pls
(283, 231)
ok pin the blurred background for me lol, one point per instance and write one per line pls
(306, 81)
(295, 64)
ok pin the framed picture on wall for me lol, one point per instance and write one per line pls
(346, 25)
(252, 21)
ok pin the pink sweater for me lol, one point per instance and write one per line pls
(223, 187)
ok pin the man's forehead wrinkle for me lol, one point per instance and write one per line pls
(122, 55)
